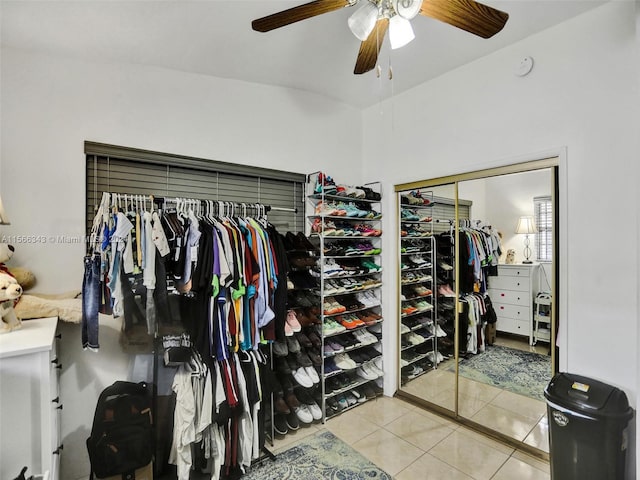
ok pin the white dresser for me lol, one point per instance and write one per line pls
(29, 401)
(512, 293)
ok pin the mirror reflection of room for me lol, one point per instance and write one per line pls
(427, 302)
(504, 366)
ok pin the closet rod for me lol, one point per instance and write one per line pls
(152, 198)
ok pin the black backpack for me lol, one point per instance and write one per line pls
(121, 438)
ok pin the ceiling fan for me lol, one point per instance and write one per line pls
(371, 21)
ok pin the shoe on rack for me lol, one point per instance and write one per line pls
(280, 406)
(280, 424)
(314, 409)
(292, 421)
(300, 375)
(351, 398)
(312, 374)
(304, 414)
(344, 361)
(304, 340)
(366, 373)
(374, 368)
(293, 346)
(291, 400)
(303, 359)
(280, 348)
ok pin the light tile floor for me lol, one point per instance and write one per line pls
(411, 443)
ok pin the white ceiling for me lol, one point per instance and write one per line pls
(214, 37)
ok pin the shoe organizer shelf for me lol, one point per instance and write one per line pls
(345, 224)
(418, 329)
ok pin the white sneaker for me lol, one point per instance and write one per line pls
(374, 368)
(313, 375)
(433, 358)
(378, 363)
(315, 410)
(378, 347)
(404, 328)
(440, 332)
(344, 361)
(366, 373)
(303, 413)
(300, 376)
(363, 299)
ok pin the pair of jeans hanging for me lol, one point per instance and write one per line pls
(90, 301)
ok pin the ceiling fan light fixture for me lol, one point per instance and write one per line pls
(363, 20)
(400, 32)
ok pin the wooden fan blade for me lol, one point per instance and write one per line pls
(468, 15)
(295, 14)
(370, 48)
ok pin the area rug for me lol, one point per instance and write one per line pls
(321, 456)
(517, 371)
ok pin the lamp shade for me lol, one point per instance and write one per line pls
(526, 225)
(3, 216)
(363, 20)
(400, 32)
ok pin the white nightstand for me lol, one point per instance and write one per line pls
(29, 400)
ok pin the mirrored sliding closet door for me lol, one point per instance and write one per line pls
(477, 297)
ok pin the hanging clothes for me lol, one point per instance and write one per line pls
(223, 280)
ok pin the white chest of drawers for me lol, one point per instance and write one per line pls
(29, 400)
(512, 293)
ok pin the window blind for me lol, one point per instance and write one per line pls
(543, 216)
(115, 169)
(444, 210)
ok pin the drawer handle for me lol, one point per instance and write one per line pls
(59, 366)
(58, 450)
(518, 298)
(518, 283)
(501, 308)
(59, 336)
(60, 407)
(55, 361)
(502, 294)
(56, 400)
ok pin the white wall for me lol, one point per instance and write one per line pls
(582, 94)
(50, 106)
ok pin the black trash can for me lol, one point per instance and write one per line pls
(588, 423)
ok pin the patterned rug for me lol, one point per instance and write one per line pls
(321, 456)
(517, 371)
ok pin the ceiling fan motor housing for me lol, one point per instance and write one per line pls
(407, 8)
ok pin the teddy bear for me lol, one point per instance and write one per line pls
(511, 257)
(26, 279)
(10, 291)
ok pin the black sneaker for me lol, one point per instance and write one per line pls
(282, 366)
(280, 424)
(292, 421)
(280, 349)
